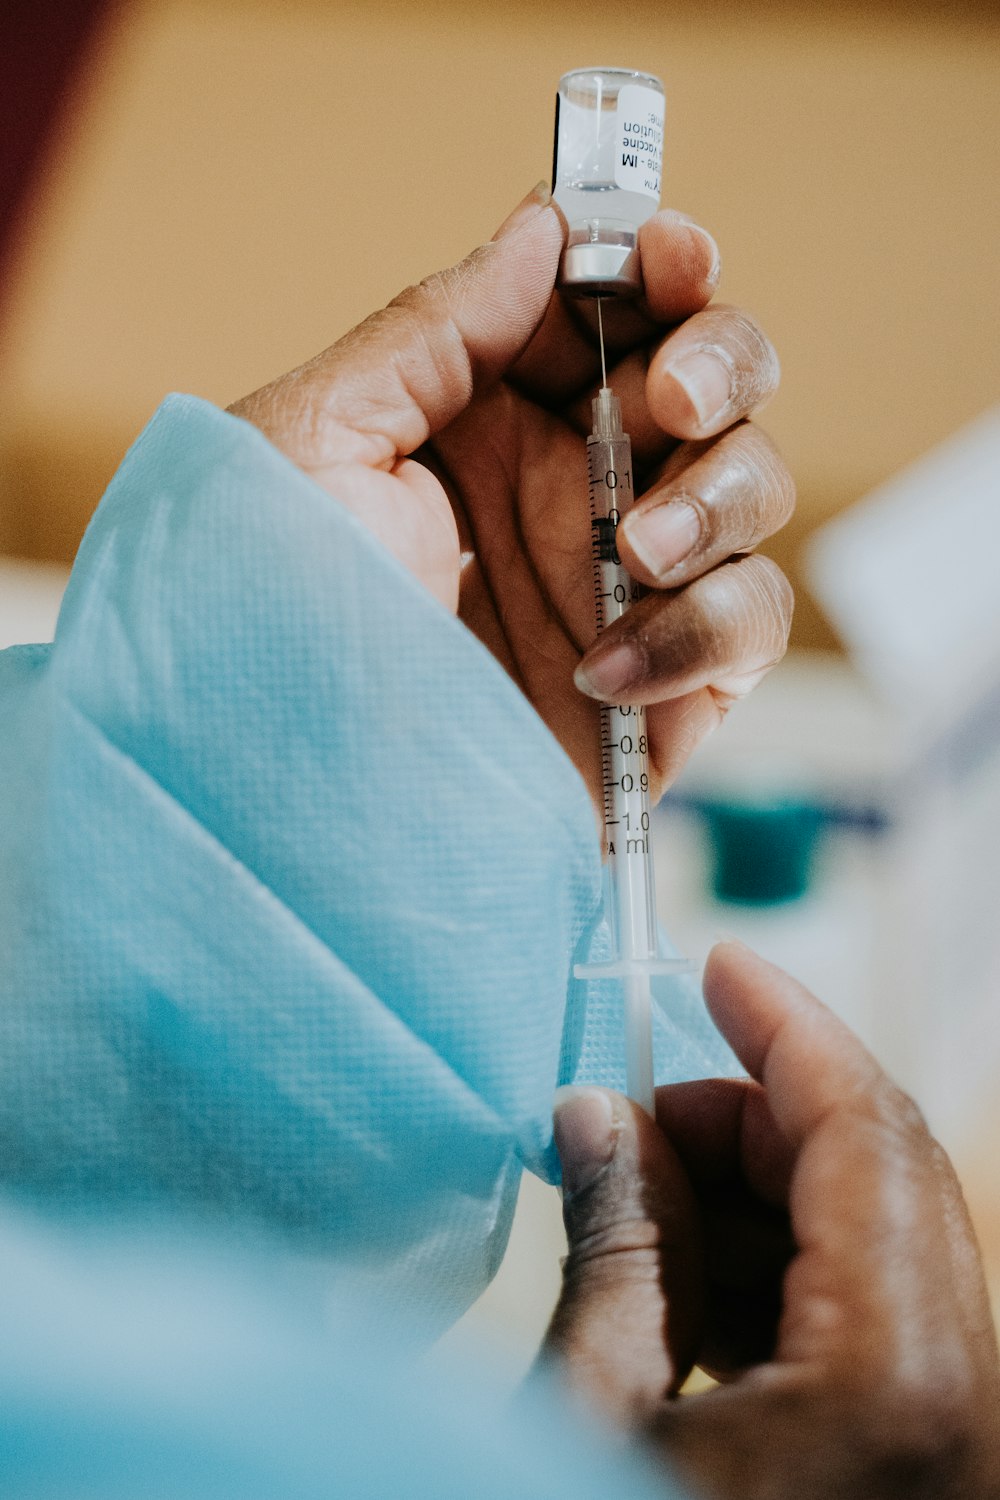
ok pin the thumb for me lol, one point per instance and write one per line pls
(409, 369)
(626, 1325)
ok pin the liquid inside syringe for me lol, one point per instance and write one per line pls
(630, 893)
(624, 745)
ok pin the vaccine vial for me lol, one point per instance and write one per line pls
(606, 175)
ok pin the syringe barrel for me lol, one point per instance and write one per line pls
(624, 747)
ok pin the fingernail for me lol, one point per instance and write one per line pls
(604, 675)
(707, 381)
(539, 197)
(585, 1134)
(663, 536)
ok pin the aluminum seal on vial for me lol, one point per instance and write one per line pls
(606, 175)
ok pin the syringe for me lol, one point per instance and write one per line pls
(606, 181)
(629, 887)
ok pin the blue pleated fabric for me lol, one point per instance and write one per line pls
(292, 881)
(171, 1365)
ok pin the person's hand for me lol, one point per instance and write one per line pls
(801, 1236)
(452, 424)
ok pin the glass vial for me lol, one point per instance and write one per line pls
(606, 175)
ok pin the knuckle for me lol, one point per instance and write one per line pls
(737, 484)
(441, 291)
(617, 1218)
(636, 1239)
(907, 1116)
(739, 613)
(735, 620)
(607, 1216)
(770, 475)
(748, 473)
(769, 605)
(893, 1109)
(755, 363)
(622, 1250)
(894, 1127)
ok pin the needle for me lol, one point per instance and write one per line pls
(600, 330)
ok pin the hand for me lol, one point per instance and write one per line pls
(800, 1235)
(452, 423)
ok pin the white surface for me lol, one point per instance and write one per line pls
(813, 724)
(909, 578)
(30, 595)
(899, 931)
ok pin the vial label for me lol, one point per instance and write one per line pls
(639, 140)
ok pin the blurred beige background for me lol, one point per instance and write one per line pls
(239, 183)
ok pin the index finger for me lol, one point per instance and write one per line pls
(809, 1062)
(871, 1191)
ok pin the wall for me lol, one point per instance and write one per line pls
(242, 182)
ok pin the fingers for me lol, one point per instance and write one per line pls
(739, 1165)
(723, 1129)
(712, 501)
(626, 1322)
(807, 1059)
(408, 513)
(680, 265)
(876, 1284)
(721, 632)
(748, 1249)
(716, 368)
(405, 372)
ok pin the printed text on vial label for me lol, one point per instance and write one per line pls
(639, 140)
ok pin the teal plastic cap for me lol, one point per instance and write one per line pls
(762, 849)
